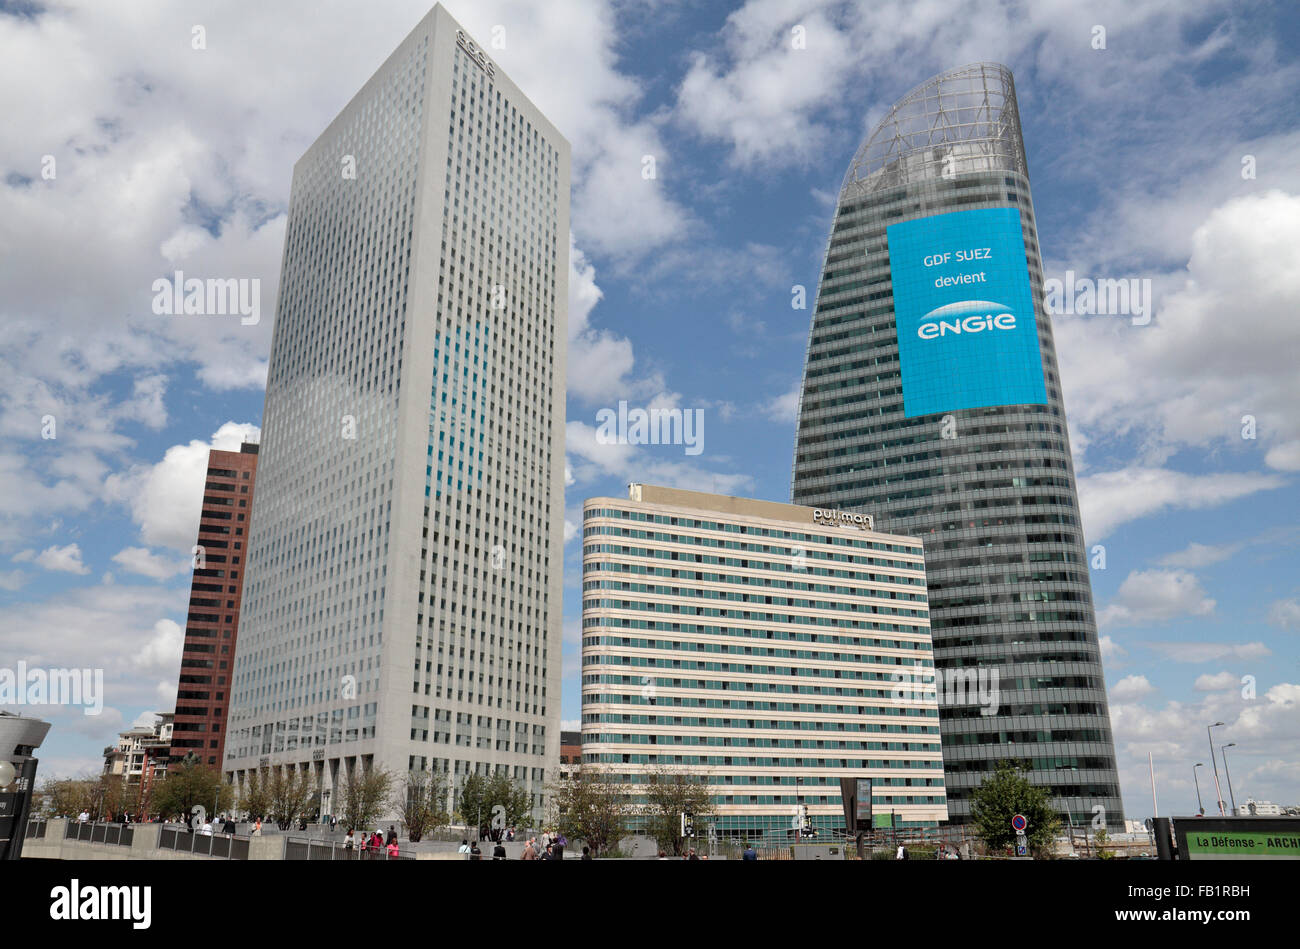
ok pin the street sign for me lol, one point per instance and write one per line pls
(1021, 848)
(1018, 823)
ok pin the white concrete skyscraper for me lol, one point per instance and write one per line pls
(401, 607)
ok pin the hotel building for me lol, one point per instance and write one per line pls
(765, 648)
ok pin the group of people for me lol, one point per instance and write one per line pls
(548, 847)
(374, 845)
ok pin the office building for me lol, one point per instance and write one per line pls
(767, 649)
(931, 399)
(216, 591)
(402, 604)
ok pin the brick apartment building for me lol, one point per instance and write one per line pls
(212, 625)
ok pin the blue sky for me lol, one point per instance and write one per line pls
(169, 157)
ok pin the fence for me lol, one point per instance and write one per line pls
(305, 848)
(221, 846)
(35, 829)
(94, 833)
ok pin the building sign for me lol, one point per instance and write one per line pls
(1217, 845)
(475, 53)
(842, 518)
(967, 336)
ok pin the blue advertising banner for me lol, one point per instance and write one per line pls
(965, 313)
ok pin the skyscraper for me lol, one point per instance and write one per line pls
(764, 649)
(931, 399)
(402, 603)
(216, 591)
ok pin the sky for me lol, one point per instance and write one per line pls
(1161, 138)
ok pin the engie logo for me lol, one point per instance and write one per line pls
(966, 316)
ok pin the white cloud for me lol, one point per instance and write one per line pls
(1155, 596)
(1217, 682)
(1210, 652)
(783, 408)
(1197, 555)
(1111, 651)
(66, 559)
(165, 499)
(1110, 499)
(1131, 687)
(143, 561)
(1285, 613)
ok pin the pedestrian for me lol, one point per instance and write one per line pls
(392, 849)
(750, 853)
(207, 829)
(550, 853)
(350, 840)
(392, 833)
(257, 828)
(510, 835)
(692, 855)
(464, 846)
(560, 843)
(586, 852)
(529, 853)
(334, 823)
(83, 817)
(474, 852)
(499, 851)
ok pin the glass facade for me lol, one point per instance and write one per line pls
(989, 488)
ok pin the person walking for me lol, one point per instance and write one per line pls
(393, 849)
(464, 847)
(350, 841)
(392, 833)
(529, 853)
(499, 851)
(749, 853)
(474, 852)
(560, 843)
(586, 852)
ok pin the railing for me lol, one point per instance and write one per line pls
(35, 829)
(97, 833)
(222, 846)
(304, 848)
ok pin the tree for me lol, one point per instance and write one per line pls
(590, 807)
(422, 803)
(669, 794)
(289, 793)
(364, 796)
(1006, 793)
(66, 797)
(189, 784)
(482, 795)
(1101, 838)
(256, 799)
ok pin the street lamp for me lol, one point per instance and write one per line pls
(1223, 750)
(1218, 792)
(1199, 806)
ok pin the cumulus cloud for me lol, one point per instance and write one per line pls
(165, 498)
(1217, 682)
(1156, 596)
(145, 562)
(1210, 652)
(66, 559)
(1285, 613)
(1131, 687)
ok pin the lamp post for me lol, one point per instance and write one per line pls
(1218, 792)
(1199, 806)
(1223, 750)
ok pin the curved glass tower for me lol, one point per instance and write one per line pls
(931, 400)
